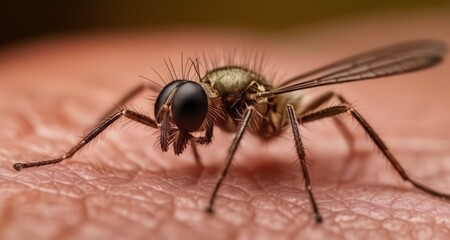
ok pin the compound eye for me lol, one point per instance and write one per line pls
(164, 94)
(189, 106)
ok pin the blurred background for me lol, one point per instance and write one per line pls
(25, 20)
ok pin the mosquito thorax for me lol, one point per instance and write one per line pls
(187, 103)
(231, 82)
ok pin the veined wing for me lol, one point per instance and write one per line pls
(387, 61)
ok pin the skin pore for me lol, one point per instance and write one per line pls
(123, 187)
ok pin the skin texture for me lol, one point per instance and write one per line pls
(124, 187)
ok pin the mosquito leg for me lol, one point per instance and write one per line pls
(349, 138)
(206, 139)
(302, 157)
(319, 101)
(230, 155)
(315, 103)
(346, 108)
(197, 157)
(134, 116)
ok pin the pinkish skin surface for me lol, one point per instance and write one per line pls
(123, 187)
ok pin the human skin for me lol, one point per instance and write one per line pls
(123, 187)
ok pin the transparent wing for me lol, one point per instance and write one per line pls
(387, 61)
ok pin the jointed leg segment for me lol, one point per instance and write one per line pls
(231, 151)
(196, 154)
(346, 108)
(302, 157)
(138, 90)
(134, 116)
(321, 100)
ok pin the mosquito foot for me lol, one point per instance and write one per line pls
(209, 210)
(18, 167)
(318, 218)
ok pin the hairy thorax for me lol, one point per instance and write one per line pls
(234, 86)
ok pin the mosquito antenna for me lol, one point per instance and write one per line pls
(190, 67)
(173, 69)
(168, 68)
(159, 75)
(153, 82)
(187, 70)
(182, 65)
(196, 67)
(205, 60)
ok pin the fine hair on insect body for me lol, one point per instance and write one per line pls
(239, 99)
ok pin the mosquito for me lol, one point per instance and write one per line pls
(239, 100)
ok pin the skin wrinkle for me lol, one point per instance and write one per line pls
(163, 196)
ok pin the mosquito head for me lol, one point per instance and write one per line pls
(185, 102)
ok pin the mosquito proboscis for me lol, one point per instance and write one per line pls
(234, 97)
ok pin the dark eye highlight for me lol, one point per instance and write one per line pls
(189, 106)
